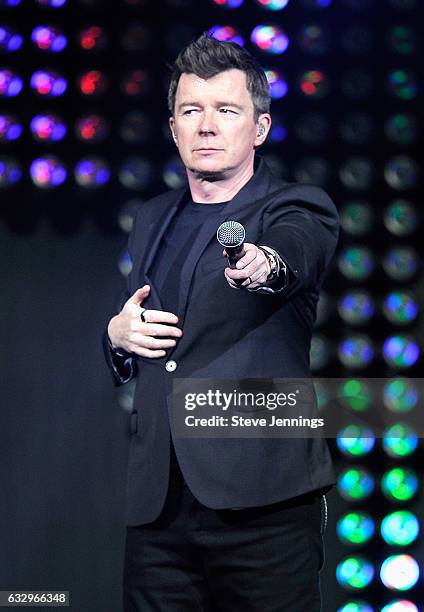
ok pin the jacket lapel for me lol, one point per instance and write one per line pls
(153, 243)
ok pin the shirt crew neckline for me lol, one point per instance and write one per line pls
(207, 204)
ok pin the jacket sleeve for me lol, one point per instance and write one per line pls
(123, 368)
(303, 228)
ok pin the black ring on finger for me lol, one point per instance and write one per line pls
(143, 310)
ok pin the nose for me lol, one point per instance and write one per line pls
(207, 124)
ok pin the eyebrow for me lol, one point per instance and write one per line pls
(234, 104)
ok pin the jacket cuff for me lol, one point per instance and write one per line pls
(278, 284)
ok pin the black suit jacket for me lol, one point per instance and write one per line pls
(231, 334)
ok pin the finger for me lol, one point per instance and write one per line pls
(143, 352)
(141, 341)
(246, 260)
(156, 329)
(241, 275)
(160, 316)
(232, 284)
(139, 295)
(256, 281)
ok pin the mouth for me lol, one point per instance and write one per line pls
(207, 150)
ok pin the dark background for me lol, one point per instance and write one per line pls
(64, 433)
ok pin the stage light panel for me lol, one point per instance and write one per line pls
(93, 38)
(92, 172)
(401, 172)
(49, 38)
(10, 171)
(401, 218)
(355, 483)
(92, 128)
(400, 351)
(355, 572)
(400, 605)
(402, 84)
(92, 83)
(399, 572)
(10, 39)
(400, 395)
(278, 86)
(226, 33)
(356, 605)
(48, 128)
(48, 83)
(357, 218)
(357, 173)
(10, 128)
(356, 263)
(401, 263)
(11, 83)
(355, 394)
(399, 484)
(48, 172)
(399, 440)
(135, 172)
(270, 39)
(355, 440)
(313, 39)
(355, 528)
(400, 307)
(400, 528)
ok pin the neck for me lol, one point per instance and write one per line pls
(219, 188)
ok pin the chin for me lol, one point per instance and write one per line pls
(207, 168)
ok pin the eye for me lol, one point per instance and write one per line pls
(227, 111)
(189, 111)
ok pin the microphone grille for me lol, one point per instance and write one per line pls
(230, 234)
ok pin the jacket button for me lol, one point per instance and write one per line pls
(170, 365)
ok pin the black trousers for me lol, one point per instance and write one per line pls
(194, 559)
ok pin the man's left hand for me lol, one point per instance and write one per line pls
(252, 269)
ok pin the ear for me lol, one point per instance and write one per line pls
(264, 125)
(172, 128)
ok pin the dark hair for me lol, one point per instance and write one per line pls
(207, 57)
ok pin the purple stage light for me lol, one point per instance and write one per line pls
(231, 4)
(10, 83)
(226, 33)
(92, 172)
(400, 351)
(273, 5)
(47, 172)
(278, 86)
(9, 39)
(10, 129)
(48, 38)
(51, 3)
(270, 39)
(10, 171)
(48, 83)
(48, 128)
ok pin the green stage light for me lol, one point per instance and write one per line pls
(399, 484)
(355, 528)
(400, 528)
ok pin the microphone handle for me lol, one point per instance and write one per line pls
(234, 254)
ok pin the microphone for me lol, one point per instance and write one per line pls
(230, 235)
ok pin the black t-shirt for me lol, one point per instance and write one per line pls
(168, 263)
(175, 245)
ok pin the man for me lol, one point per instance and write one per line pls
(221, 524)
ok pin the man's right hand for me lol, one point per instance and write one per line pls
(127, 331)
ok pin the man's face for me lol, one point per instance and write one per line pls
(213, 124)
